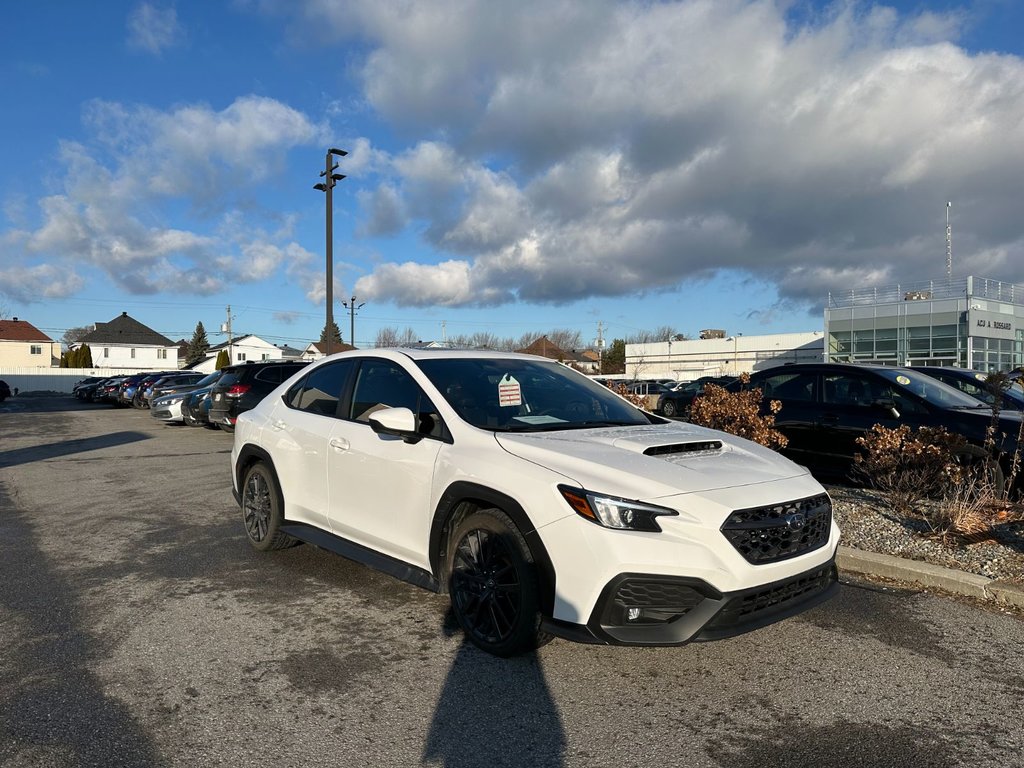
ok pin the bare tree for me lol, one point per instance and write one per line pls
(387, 337)
(73, 335)
(392, 337)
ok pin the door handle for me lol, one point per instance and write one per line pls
(830, 418)
(278, 424)
(339, 443)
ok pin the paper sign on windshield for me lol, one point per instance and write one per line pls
(509, 392)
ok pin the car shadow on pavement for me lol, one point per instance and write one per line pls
(53, 709)
(494, 712)
(46, 451)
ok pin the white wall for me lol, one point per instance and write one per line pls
(53, 379)
(138, 358)
(688, 360)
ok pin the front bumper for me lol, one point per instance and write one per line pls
(674, 610)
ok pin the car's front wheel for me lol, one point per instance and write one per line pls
(263, 509)
(493, 585)
(668, 408)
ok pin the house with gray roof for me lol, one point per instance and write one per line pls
(124, 342)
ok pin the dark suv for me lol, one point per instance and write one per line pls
(244, 385)
(827, 406)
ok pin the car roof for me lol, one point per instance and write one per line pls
(440, 354)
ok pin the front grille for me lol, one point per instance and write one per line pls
(780, 531)
(757, 604)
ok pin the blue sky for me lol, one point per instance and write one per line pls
(513, 167)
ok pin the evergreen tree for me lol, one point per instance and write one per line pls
(223, 360)
(198, 346)
(614, 359)
(85, 356)
(64, 359)
(335, 334)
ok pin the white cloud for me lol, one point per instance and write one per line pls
(28, 284)
(610, 148)
(123, 183)
(153, 29)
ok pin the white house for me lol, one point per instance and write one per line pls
(315, 350)
(243, 349)
(124, 342)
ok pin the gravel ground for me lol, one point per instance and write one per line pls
(866, 523)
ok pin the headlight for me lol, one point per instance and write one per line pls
(613, 512)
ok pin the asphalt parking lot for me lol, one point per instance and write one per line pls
(140, 629)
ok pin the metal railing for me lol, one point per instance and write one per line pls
(953, 288)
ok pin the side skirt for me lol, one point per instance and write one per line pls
(364, 555)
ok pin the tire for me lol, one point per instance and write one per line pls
(492, 582)
(263, 510)
(189, 419)
(669, 408)
(226, 427)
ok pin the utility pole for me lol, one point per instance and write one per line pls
(352, 307)
(330, 178)
(444, 333)
(228, 326)
(600, 347)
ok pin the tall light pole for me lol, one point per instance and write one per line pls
(330, 178)
(352, 307)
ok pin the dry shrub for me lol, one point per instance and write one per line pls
(738, 413)
(908, 468)
(934, 476)
(640, 401)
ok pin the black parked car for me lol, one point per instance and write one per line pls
(827, 406)
(5, 391)
(677, 402)
(244, 385)
(195, 407)
(973, 383)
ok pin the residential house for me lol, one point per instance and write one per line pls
(124, 342)
(544, 347)
(316, 350)
(241, 349)
(23, 345)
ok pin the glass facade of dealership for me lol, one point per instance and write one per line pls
(969, 322)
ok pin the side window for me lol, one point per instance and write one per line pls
(851, 389)
(788, 387)
(322, 389)
(382, 384)
(271, 374)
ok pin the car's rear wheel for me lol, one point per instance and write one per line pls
(493, 585)
(668, 408)
(263, 509)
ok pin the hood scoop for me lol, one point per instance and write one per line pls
(703, 446)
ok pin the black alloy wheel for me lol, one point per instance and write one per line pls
(668, 407)
(493, 585)
(262, 510)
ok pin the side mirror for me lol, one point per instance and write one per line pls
(888, 406)
(399, 422)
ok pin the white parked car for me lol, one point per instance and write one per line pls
(168, 408)
(542, 503)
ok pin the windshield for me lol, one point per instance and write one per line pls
(514, 395)
(932, 390)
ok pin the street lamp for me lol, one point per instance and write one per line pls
(330, 178)
(352, 307)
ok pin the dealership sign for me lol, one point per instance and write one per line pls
(991, 324)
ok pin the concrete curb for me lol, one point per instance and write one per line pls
(928, 575)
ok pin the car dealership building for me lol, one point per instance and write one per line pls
(969, 322)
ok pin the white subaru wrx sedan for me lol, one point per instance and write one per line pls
(541, 502)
